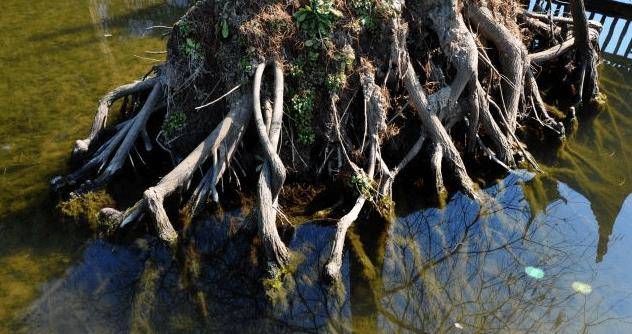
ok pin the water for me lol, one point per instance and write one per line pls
(456, 269)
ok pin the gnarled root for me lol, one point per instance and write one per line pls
(376, 116)
(272, 174)
(513, 57)
(100, 118)
(181, 175)
(459, 47)
(432, 125)
(122, 142)
(587, 53)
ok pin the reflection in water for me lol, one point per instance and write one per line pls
(595, 161)
(462, 265)
(466, 265)
(216, 288)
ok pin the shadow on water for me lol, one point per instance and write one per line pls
(596, 160)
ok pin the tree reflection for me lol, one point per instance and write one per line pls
(425, 272)
(466, 264)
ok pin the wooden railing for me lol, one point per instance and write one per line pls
(616, 36)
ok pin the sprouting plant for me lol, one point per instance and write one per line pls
(363, 184)
(301, 111)
(193, 49)
(173, 122)
(371, 12)
(223, 23)
(295, 70)
(245, 64)
(317, 18)
(335, 82)
(184, 28)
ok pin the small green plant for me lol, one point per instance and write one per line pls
(295, 70)
(245, 64)
(371, 12)
(184, 28)
(363, 184)
(224, 28)
(302, 106)
(173, 122)
(317, 18)
(192, 49)
(335, 82)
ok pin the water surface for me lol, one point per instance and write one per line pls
(460, 268)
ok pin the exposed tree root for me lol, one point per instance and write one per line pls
(272, 174)
(180, 176)
(587, 53)
(432, 125)
(121, 143)
(376, 117)
(513, 57)
(451, 98)
(100, 119)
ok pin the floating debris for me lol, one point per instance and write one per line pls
(7, 147)
(534, 272)
(107, 35)
(582, 288)
(458, 325)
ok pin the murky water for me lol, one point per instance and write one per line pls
(549, 254)
(57, 58)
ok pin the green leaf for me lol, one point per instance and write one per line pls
(300, 17)
(313, 56)
(224, 29)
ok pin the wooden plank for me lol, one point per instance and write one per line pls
(610, 7)
(621, 36)
(624, 34)
(611, 29)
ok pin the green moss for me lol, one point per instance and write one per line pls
(173, 122)
(85, 209)
(277, 287)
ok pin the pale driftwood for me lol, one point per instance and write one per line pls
(100, 118)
